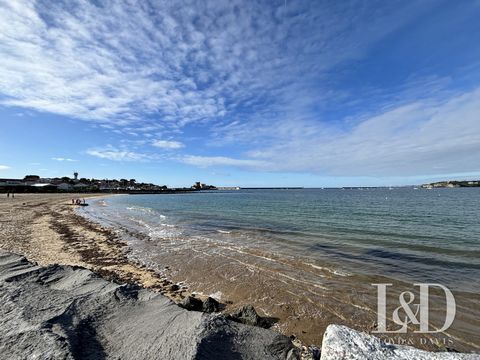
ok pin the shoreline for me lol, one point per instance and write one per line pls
(57, 235)
(47, 230)
(303, 296)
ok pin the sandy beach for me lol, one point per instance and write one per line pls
(45, 229)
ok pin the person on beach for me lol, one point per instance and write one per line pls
(8, 194)
(73, 201)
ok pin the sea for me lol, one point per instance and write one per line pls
(309, 257)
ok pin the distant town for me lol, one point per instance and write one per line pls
(34, 183)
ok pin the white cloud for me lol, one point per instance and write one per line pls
(63, 159)
(118, 61)
(4, 167)
(168, 144)
(419, 138)
(118, 155)
(255, 72)
(207, 161)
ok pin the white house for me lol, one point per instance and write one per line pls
(64, 186)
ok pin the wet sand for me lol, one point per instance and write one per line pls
(303, 297)
(45, 229)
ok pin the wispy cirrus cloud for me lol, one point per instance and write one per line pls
(63, 159)
(256, 80)
(167, 144)
(426, 137)
(207, 161)
(114, 154)
(4, 167)
(182, 62)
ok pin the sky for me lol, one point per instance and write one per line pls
(241, 93)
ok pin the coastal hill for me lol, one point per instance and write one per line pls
(452, 184)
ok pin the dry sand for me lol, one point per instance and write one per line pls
(45, 229)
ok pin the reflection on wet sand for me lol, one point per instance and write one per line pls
(305, 297)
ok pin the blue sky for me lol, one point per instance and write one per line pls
(249, 93)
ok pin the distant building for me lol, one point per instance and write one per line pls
(40, 185)
(200, 186)
(11, 182)
(80, 186)
(64, 186)
(197, 185)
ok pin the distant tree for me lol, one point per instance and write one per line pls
(31, 178)
(65, 179)
(132, 181)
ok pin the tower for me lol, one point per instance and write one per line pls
(75, 175)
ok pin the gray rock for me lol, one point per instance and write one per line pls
(294, 354)
(63, 312)
(247, 315)
(315, 352)
(191, 303)
(211, 305)
(341, 342)
(174, 287)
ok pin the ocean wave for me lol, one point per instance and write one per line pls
(169, 225)
(146, 210)
(332, 271)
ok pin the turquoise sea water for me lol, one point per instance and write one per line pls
(409, 234)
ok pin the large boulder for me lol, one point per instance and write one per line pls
(341, 342)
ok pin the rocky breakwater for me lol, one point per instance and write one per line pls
(64, 312)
